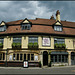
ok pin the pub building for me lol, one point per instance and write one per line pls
(37, 40)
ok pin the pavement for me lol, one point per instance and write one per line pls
(45, 67)
(38, 70)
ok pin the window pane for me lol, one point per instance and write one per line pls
(20, 56)
(0, 56)
(33, 39)
(32, 56)
(55, 58)
(24, 56)
(17, 40)
(59, 58)
(13, 56)
(59, 40)
(3, 56)
(17, 56)
(28, 56)
(58, 28)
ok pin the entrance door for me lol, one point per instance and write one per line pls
(72, 58)
(45, 58)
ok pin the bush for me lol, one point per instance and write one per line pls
(40, 64)
(16, 44)
(30, 44)
(59, 45)
(1, 44)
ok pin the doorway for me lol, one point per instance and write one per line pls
(72, 58)
(45, 58)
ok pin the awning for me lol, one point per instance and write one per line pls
(59, 52)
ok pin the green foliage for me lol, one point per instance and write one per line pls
(63, 45)
(30, 44)
(1, 44)
(59, 45)
(16, 44)
(33, 45)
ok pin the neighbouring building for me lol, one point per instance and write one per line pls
(37, 40)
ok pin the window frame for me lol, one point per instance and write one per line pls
(59, 40)
(60, 29)
(3, 27)
(32, 39)
(18, 39)
(28, 25)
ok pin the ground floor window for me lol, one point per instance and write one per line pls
(18, 56)
(2, 56)
(32, 56)
(59, 58)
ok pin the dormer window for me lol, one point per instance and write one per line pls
(2, 28)
(57, 28)
(26, 26)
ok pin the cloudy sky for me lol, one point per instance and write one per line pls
(16, 10)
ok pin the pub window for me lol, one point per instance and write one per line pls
(24, 56)
(59, 40)
(28, 56)
(2, 56)
(33, 39)
(13, 56)
(58, 28)
(59, 58)
(26, 26)
(17, 39)
(32, 56)
(17, 56)
(21, 56)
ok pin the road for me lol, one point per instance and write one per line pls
(52, 70)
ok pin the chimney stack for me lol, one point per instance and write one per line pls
(58, 16)
(52, 17)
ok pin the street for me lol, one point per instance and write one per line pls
(52, 70)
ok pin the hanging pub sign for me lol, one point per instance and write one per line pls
(25, 64)
(46, 41)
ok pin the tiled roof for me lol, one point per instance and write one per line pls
(37, 28)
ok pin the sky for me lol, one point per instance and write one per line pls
(17, 10)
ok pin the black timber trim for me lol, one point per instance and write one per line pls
(36, 33)
(39, 49)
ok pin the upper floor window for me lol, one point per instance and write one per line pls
(33, 39)
(59, 40)
(17, 39)
(58, 28)
(1, 40)
(2, 28)
(26, 26)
